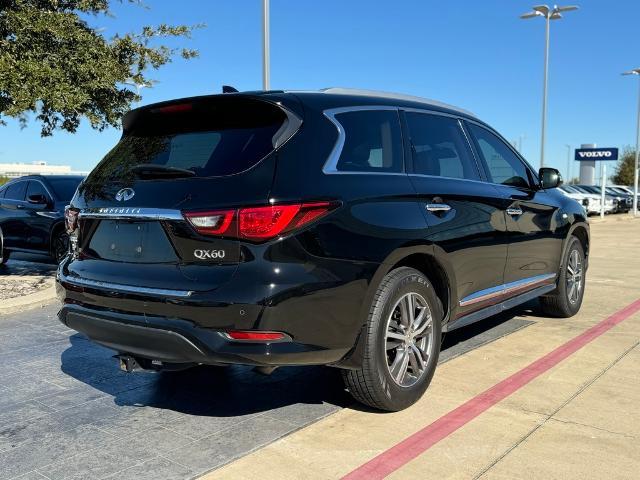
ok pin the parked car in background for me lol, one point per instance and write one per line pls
(625, 200)
(621, 203)
(625, 192)
(32, 215)
(589, 201)
(610, 205)
(333, 227)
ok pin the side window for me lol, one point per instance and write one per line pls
(15, 191)
(439, 148)
(502, 165)
(373, 142)
(36, 188)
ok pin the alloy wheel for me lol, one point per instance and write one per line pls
(60, 246)
(409, 339)
(574, 277)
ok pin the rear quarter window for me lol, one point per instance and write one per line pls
(372, 141)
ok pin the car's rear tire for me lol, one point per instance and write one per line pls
(566, 299)
(59, 244)
(4, 254)
(402, 342)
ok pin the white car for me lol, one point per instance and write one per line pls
(609, 203)
(589, 201)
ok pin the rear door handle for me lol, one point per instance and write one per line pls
(514, 211)
(438, 207)
(19, 206)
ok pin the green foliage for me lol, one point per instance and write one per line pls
(3, 179)
(56, 66)
(624, 169)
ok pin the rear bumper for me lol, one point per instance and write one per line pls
(179, 341)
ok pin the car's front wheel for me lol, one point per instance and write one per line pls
(566, 299)
(402, 342)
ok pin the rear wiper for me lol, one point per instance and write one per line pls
(148, 170)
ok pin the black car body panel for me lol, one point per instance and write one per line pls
(313, 283)
(30, 226)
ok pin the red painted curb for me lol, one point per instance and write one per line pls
(400, 454)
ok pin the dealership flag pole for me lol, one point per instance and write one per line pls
(265, 45)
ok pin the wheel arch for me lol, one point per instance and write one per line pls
(422, 258)
(580, 230)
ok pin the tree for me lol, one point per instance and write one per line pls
(624, 169)
(55, 65)
(3, 180)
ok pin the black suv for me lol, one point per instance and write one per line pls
(333, 227)
(32, 215)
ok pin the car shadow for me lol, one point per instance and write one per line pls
(239, 390)
(29, 265)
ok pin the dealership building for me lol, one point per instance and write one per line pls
(14, 170)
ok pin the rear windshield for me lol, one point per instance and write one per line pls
(64, 188)
(208, 137)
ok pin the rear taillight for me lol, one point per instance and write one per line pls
(258, 223)
(70, 219)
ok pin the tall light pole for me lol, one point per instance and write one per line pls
(636, 71)
(548, 14)
(265, 45)
(568, 162)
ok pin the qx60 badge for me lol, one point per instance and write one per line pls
(125, 194)
(209, 254)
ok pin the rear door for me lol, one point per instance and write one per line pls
(205, 156)
(464, 214)
(13, 215)
(534, 220)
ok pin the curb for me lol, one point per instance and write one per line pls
(34, 300)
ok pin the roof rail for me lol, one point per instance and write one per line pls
(397, 96)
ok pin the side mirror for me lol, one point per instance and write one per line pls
(549, 177)
(37, 199)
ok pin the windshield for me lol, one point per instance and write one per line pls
(64, 188)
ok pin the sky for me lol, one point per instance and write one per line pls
(477, 55)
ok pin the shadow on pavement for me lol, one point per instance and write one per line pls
(238, 390)
(203, 390)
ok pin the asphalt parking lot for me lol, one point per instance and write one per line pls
(66, 411)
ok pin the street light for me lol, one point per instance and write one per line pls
(265, 45)
(548, 14)
(636, 71)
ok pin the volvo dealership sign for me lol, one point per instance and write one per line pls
(591, 154)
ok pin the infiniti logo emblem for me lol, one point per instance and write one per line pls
(125, 194)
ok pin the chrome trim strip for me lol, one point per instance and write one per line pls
(330, 166)
(131, 213)
(85, 282)
(438, 207)
(506, 289)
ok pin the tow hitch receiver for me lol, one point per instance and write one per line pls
(127, 363)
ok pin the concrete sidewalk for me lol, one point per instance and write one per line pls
(578, 420)
(26, 282)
